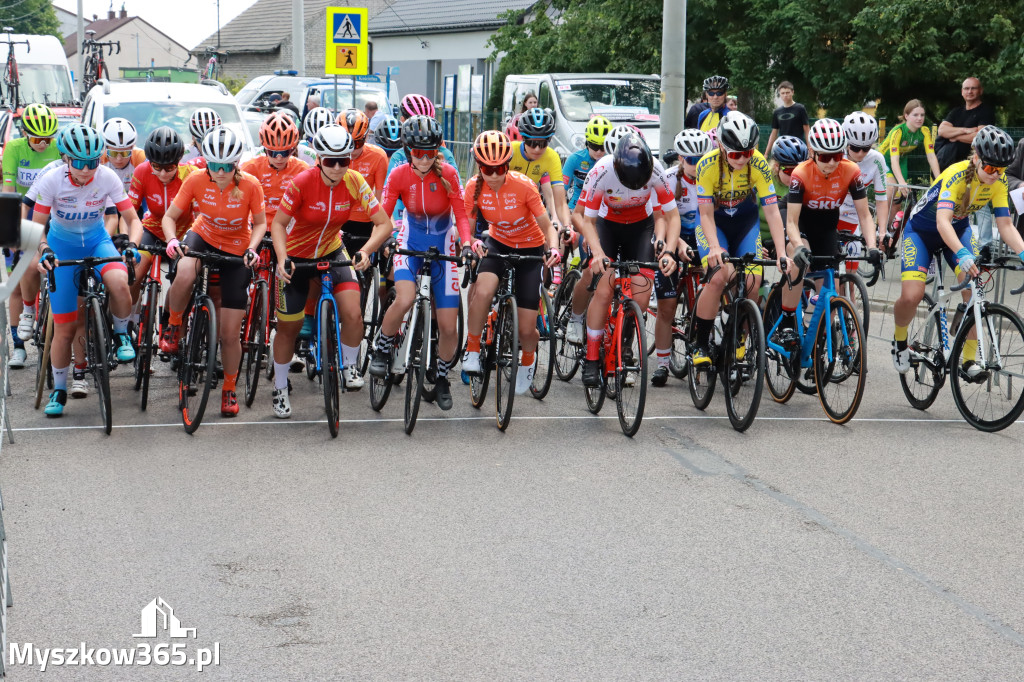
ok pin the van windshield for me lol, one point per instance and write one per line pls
(619, 99)
(345, 98)
(46, 83)
(147, 116)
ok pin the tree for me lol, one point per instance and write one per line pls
(35, 17)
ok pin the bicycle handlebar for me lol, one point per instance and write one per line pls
(319, 265)
(430, 254)
(87, 262)
(619, 265)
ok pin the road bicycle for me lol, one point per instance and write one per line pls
(150, 318)
(566, 356)
(12, 80)
(95, 66)
(258, 321)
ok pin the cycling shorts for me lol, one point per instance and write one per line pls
(149, 241)
(738, 234)
(628, 241)
(355, 234)
(666, 287)
(233, 278)
(95, 243)
(527, 273)
(919, 245)
(444, 276)
(291, 297)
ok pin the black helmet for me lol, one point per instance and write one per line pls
(164, 146)
(537, 123)
(994, 146)
(633, 162)
(421, 132)
(716, 83)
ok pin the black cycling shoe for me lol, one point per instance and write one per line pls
(787, 338)
(443, 393)
(660, 377)
(592, 373)
(379, 363)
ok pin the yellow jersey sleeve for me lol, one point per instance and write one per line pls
(546, 169)
(895, 137)
(929, 143)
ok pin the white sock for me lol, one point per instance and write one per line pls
(60, 378)
(578, 317)
(30, 309)
(120, 324)
(281, 374)
(349, 355)
(664, 356)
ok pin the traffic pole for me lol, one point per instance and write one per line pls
(673, 71)
(298, 39)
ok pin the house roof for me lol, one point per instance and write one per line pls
(425, 16)
(102, 28)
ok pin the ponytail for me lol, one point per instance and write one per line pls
(679, 181)
(236, 192)
(476, 195)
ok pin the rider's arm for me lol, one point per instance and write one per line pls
(382, 229)
(169, 222)
(944, 223)
(929, 152)
(259, 228)
(131, 217)
(561, 204)
(881, 204)
(458, 207)
(707, 225)
(279, 234)
(866, 223)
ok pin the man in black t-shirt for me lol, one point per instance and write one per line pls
(789, 119)
(961, 124)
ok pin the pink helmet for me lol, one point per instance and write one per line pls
(713, 134)
(417, 105)
(512, 128)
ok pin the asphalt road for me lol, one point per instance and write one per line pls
(886, 549)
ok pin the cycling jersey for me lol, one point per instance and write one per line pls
(192, 153)
(306, 154)
(428, 206)
(872, 172)
(902, 141)
(317, 211)
(574, 174)
(137, 158)
(710, 118)
(274, 182)
(372, 164)
(399, 157)
(546, 169)
(611, 200)
(78, 210)
(689, 215)
(727, 189)
(21, 163)
(511, 212)
(222, 220)
(949, 189)
(157, 196)
(33, 192)
(820, 192)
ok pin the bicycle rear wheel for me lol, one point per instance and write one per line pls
(147, 332)
(371, 317)
(997, 401)
(840, 375)
(330, 359)
(679, 361)
(254, 345)
(197, 371)
(777, 371)
(743, 364)
(927, 372)
(701, 380)
(631, 368)
(566, 355)
(545, 347)
(596, 395)
(478, 382)
(97, 350)
(417, 369)
(506, 361)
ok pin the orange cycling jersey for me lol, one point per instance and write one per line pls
(372, 164)
(317, 211)
(511, 212)
(274, 181)
(222, 218)
(820, 192)
(158, 196)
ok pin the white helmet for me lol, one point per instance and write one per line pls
(692, 142)
(333, 141)
(737, 132)
(222, 145)
(861, 129)
(616, 134)
(203, 120)
(119, 134)
(316, 119)
(827, 136)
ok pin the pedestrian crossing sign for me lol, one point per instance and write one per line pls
(347, 50)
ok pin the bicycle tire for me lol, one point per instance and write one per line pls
(145, 341)
(860, 300)
(631, 336)
(254, 345)
(371, 317)
(380, 387)
(545, 368)
(596, 395)
(1002, 330)
(330, 362)
(567, 355)
(804, 376)
(98, 351)
(506, 360)
(777, 371)
(921, 385)
(832, 375)
(42, 335)
(743, 364)
(460, 346)
(650, 318)
(417, 369)
(701, 381)
(679, 360)
(197, 370)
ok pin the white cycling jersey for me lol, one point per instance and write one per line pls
(33, 191)
(306, 153)
(608, 198)
(872, 172)
(689, 213)
(79, 209)
(191, 154)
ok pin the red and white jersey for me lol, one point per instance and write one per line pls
(79, 209)
(605, 196)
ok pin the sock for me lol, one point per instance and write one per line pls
(60, 378)
(443, 366)
(578, 317)
(385, 343)
(79, 371)
(529, 356)
(899, 334)
(229, 381)
(594, 337)
(704, 328)
(473, 343)
(18, 343)
(349, 355)
(134, 317)
(970, 353)
(281, 375)
(174, 318)
(664, 356)
(30, 309)
(120, 324)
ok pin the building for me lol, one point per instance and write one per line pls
(68, 21)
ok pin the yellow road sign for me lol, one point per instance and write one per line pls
(347, 50)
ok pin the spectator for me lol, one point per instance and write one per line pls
(717, 89)
(374, 114)
(529, 102)
(1015, 179)
(287, 103)
(789, 119)
(731, 103)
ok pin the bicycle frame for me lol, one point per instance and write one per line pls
(326, 293)
(822, 307)
(264, 272)
(975, 304)
(400, 363)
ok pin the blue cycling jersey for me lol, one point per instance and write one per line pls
(574, 174)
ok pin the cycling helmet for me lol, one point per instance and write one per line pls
(737, 132)
(826, 136)
(692, 142)
(333, 141)
(38, 120)
(789, 150)
(222, 145)
(994, 146)
(614, 135)
(119, 134)
(421, 132)
(597, 129)
(81, 142)
(389, 134)
(356, 123)
(633, 162)
(203, 120)
(279, 133)
(492, 148)
(537, 123)
(417, 105)
(164, 146)
(713, 134)
(316, 119)
(716, 83)
(861, 129)
(512, 128)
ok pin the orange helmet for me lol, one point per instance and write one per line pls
(279, 133)
(356, 123)
(492, 148)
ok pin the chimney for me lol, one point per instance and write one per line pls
(95, 18)
(110, 14)
(124, 12)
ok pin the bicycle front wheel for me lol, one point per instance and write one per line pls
(371, 317)
(506, 343)
(743, 364)
(254, 345)
(545, 347)
(927, 372)
(197, 371)
(701, 379)
(330, 361)
(631, 368)
(418, 361)
(679, 360)
(380, 387)
(840, 361)
(97, 350)
(993, 400)
(567, 355)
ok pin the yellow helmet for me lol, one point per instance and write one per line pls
(597, 128)
(38, 120)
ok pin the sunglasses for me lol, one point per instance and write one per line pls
(857, 148)
(715, 93)
(787, 169)
(424, 153)
(39, 140)
(828, 158)
(119, 154)
(993, 170)
(164, 167)
(279, 153)
(536, 144)
(494, 170)
(736, 156)
(692, 160)
(215, 167)
(335, 162)
(595, 147)
(84, 164)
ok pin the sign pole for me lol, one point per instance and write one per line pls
(335, 95)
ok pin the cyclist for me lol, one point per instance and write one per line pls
(861, 132)
(316, 119)
(517, 223)
(279, 137)
(728, 180)
(579, 163)
(306, 228)
(691, 144)
(431, 192)
(717, 90)
(388, 136)
(76, 197)
(941, 220)
(224, 200)
(121, 154)
(371, 163)
(788, 152)
(536, 160)
(623, 192)
(202, 121)
(903, 139)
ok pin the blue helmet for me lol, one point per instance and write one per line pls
(81, 142)
(389, 134)
(789, 150)
(537, 123)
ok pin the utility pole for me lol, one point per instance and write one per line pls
(218, 25)
(673, 71)
(298, 38)
(80, 36)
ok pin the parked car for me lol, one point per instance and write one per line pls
(255, 94)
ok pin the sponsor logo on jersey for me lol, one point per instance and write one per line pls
(823, 204)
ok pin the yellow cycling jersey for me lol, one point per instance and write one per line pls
(719, 184)
(948, 191)
(547, 169)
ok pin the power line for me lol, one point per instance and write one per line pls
(390, 5)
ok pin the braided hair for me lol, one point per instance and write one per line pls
(965, 200)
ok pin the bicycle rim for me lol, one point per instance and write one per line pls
(680, 358)
(996, 402)
(921, 385)
(254, 345)
(743, 364)
(545, 347)
(506, 341)
(840, 375)
(199, 364)
(631, 369)
(567, 355)
(98, 350)
(330, 357)
(415, 373)
(380, 387)
(778, 374)
(145, 342)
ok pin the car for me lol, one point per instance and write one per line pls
(257, 91)
(255, 95)
(151, 105)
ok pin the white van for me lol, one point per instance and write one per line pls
(42, 69)
(576, 97)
